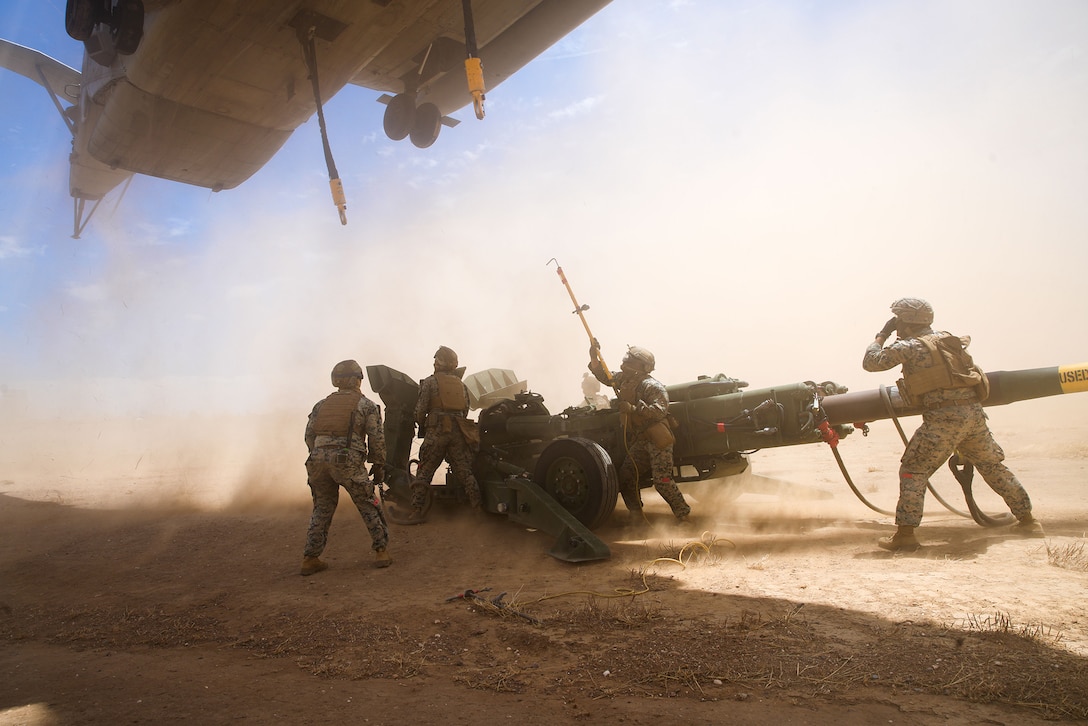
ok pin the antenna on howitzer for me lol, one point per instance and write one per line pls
(579, 310)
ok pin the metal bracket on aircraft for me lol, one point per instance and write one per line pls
(79, 205)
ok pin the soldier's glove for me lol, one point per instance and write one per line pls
(627, 407)
(889, 328)
(377, 473)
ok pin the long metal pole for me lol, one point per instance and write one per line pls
(579, 310)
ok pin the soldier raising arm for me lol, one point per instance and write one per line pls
(940, 377)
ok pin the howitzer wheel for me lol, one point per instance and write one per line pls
(579, 475)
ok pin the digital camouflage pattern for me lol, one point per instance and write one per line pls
(650, 405)
(443, 440)
(325, 476)
(947, 427)
(331, 465)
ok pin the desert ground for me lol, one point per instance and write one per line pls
(149, 574)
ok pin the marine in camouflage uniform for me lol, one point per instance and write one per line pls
(343, 432)
(953, 419)
(644, 406)
(448, 435)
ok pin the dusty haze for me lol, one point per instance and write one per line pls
(747, 198)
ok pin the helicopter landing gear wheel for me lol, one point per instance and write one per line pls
(427, 124)
(400, 115)
(578, 474)
(80, 17)
(127, 27)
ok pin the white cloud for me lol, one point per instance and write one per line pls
(11, 247)
(88, 293)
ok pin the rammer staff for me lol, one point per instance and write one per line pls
(579, 310)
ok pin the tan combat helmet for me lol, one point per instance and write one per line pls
(913, 311)
(347, 374)
(638, 360)
(445, 359)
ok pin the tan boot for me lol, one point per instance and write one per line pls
(310, 565)
(416, 516)
(902, 541)
(382, 558)
(1029, 526)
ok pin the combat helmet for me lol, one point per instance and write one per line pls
(445, 359)
(346, 370)
(638, 360)
(913, 311)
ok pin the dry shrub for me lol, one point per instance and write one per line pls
(1002, 623)
(1071, 556)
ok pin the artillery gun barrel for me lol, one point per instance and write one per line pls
(714, 425)
(1005, 387)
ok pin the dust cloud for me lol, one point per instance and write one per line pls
(747, 199)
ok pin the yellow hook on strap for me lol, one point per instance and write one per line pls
(338, 198)
(474, 70)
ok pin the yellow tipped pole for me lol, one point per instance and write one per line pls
(579, 310)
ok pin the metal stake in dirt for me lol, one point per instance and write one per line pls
(579, 310)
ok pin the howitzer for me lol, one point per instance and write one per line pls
(1005, 387)
(557, 473)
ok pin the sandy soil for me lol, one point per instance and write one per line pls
(137, 587)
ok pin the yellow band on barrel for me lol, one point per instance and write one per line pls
(1073, 379)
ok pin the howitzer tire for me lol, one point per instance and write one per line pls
(579, 474)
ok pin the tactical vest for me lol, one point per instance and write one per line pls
(334, 416)
(950, 367)
(451, 394)
(659, 432)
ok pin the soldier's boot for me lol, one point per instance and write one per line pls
(1029, 526)
(634, 517)
(902, 541)
(310, 565)
(416, 516)
(475, 496)
(382, 558)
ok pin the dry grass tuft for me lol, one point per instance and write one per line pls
(1003, 624)
(1070, 556)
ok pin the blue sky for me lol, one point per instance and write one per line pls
(742, 187)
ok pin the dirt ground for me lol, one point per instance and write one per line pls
(137, 587)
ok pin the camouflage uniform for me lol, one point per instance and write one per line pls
(443, 440)
(650, 403)
(952, 420)
(333, 464)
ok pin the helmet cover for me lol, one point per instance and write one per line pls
(913, 311)
(638, 359)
